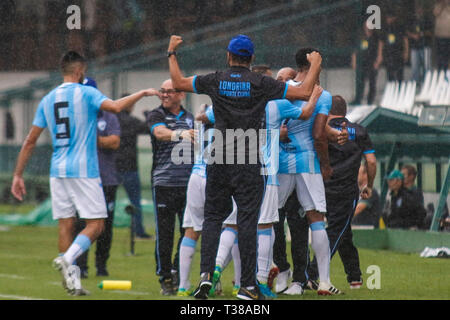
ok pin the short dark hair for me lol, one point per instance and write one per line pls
(338, 106)
(70, 58)
(411, 169)
(301, 58)
(240, 59)
(261, 68)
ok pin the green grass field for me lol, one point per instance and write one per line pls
(26, 254)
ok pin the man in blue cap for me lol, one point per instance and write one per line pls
(239, 97)
(404, 211)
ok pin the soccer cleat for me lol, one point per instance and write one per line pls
(282, 281)
(312, 285)
(62, 266)
(250, 294)
(167, 288)
(327, 289)
(102, 272)
(216, 282)
(204, 286)
(74, 273)
(295, 289)
(265, 290)
(236, 289)
(356, 284)
(184, 292)
(273, 273)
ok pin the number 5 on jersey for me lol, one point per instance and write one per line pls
(62, 124)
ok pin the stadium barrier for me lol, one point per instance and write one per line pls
(408, 241)
(42, 215)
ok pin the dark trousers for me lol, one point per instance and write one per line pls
(364, 73)
(104, 241)
(298, 227)
(169, 203)
(132, 184)
(246, 184)
(442, 53)
(339, 216)
(394, 69)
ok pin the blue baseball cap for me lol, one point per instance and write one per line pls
(395, 174)
(241, 45)
(90, 82)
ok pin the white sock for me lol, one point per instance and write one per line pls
(237, 263)
(265, 253)
(76, 249)
(227, 238)
(187, 250)
(321, 246)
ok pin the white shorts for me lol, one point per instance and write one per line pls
(194, 214)
(269, 208)
(82, 195)
(309, 187)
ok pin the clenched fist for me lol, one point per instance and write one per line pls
(175, 41)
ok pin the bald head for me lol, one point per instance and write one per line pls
(286, 74)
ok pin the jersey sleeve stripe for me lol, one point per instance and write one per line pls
(156, 125)
(193, 84)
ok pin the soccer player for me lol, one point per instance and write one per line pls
(195, 204)
(304, 165)
(70, 113)
(342, 191)
(275, 114)
(239, 97)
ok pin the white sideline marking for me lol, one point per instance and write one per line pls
(135, 293)
(10, 296)
(11, 276)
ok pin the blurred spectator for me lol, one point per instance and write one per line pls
(404, 211)
(420, 41)
(395, 47)
(410, 173)
(127, 165)
(368, 211)
(366, 59)
(442, 33)
(263, 69)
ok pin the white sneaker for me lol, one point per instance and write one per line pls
(74, 275)
(282, 281)
(62, 266)
(295, 289)
(327, 289)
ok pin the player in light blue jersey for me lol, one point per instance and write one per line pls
(304, 164)
(70, 114)
(275, 113)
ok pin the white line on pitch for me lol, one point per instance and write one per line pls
(135, 293)
(10, 296)
(11, 276)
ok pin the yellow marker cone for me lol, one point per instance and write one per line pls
(114, 285)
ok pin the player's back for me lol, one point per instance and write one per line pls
(301, 131)
(70, 113)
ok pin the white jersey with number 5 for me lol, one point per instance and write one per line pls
(70, 113)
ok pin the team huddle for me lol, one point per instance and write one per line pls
(308, 150)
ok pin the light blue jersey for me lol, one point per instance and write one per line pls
(199, 167)
(70, 113)
(276, 112)
(299, 155)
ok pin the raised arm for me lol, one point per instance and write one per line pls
(18, 185)
(304, 91)
(116, 106)
(178, 80)
(308, 109)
